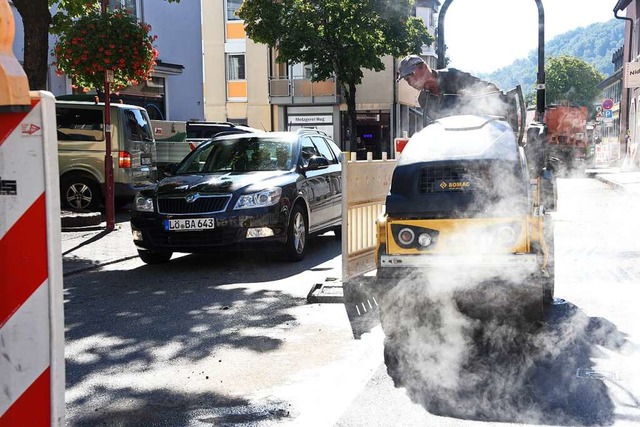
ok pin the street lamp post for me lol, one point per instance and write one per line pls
(108, 159)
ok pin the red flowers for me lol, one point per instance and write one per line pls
(112, 41)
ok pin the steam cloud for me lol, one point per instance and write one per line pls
(455, 342)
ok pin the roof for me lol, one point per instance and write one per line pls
(621, 5)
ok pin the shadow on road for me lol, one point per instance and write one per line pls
(140, 320)
(131, 408)
(510, 371)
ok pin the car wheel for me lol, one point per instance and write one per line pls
(80, 193)
(151, 257)
(297, 235)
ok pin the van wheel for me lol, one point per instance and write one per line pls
(80, 193)
(297, 235)
(151, 257)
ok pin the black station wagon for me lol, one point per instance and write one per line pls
(243, 191)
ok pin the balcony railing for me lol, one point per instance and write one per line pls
(296, 90)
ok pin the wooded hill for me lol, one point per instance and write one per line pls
(594, 44)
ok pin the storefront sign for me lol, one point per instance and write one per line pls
(631, 74)
(304, 120)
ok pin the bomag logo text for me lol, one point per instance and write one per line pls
(455, 185)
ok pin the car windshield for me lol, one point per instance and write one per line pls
(246, 154)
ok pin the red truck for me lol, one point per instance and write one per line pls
(567, 132)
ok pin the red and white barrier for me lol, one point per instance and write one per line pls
(31, 302)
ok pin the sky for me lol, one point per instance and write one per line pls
(484, 35)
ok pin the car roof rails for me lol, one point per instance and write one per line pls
(230, 132)
(311, 130)
(203, 123)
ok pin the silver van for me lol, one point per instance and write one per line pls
(82, 149)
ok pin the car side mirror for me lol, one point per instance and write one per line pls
(317, 162)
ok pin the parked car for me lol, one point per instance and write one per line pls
(250, 190)
(176, 139)
(198, 132)
(82, 148)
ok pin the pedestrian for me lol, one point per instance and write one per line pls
(450, 91)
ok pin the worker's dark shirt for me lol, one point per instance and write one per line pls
(461, 93)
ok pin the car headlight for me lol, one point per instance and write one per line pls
(260, 199)
(143, 203)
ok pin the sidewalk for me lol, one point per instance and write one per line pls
(92, 247)
(621, 179)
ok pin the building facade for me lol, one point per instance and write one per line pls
(235, 69)
(209, 70)
(175, 90)
(609, 124)
(630, 96)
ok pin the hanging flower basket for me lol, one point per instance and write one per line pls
(97, 42)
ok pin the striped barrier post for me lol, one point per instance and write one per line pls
(31, 308)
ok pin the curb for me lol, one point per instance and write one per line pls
(614, 185)
(74, 220)
(97, 266)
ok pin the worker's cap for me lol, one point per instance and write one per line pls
(408, 66)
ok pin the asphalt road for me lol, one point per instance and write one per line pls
(231, 340)
(580, 368)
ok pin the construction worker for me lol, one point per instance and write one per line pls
(449, 91)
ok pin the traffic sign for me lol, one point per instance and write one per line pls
(607, 114)
(607, 104)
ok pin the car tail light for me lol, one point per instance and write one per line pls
(124, 160)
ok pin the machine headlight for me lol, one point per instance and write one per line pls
(424, 239)
(263, 198)
(406, 236)
(143, 203)
(506, 236)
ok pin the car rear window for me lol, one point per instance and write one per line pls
(79, 124)
(138, 127)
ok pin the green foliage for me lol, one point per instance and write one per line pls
(594, 44)
(571, 79)
(339, 37)
(97, 42)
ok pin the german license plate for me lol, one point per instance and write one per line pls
(187, 224)
(145, 160)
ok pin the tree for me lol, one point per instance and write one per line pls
(570, 79)
(38, 21)
(337, 37)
